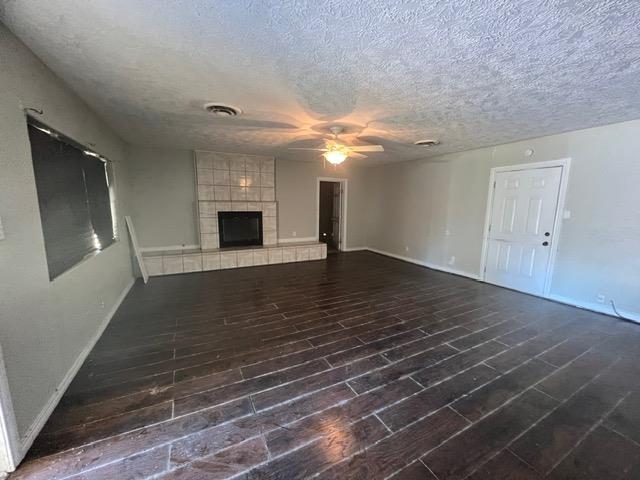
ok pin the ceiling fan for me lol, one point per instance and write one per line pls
(336, 151)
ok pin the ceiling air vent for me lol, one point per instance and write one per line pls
(222, 110)
(427, 143)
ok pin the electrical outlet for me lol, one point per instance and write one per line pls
(452, 261)
(447, 233)
(294, 234)
(406, 249)
(600, 298)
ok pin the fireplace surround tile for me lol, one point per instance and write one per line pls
(232, 182)
(289, 254)
(245, 258)
(269, 223)
(153, 265)
(237, 163)
(261, 256)
(269, 209)
(206, 192)
(172, 264)
(222, 192)
(302, 254)
(267, 194)
(267, 165)
(228, 260)
(275, 255)
(221, 177)
(266, 179)
(209, 225)
(252, 164)
(209, 240)
(239, 194)
(219, 163)
(210, 261)
(253, 194)
(207, 209)
(192, 262)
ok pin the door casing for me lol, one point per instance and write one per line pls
(343, 210)
(565, 163)
(11, 447)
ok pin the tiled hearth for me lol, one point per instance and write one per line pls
(229, 182)
(185, 261)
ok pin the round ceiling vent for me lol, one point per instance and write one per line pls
(427, 143)
(222, 110)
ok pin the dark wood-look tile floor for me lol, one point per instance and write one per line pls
(359, 366)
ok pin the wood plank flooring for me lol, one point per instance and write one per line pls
(359, 367)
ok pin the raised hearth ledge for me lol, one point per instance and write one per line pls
(196, 260)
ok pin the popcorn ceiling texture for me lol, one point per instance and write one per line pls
(469, 72)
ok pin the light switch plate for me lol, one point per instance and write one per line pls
(1, 230)
(566, 215)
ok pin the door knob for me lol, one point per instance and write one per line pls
(544, 244)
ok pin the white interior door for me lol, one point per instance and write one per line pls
(521, 228)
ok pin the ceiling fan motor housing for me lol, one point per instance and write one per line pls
(222, 110)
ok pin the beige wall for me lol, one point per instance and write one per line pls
(163, 198)
(296, 193)
(415, 203)
(46, 325)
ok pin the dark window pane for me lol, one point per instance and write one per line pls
(73, 195)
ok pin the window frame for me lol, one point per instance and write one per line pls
(111, 186)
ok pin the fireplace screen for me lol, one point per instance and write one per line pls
(240, 228)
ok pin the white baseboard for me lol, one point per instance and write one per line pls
(169, 248)
(595, 307)
(426, 264)
(297, 239)
(33, 430)
(355, 249)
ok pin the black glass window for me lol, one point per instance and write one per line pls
(74, 200)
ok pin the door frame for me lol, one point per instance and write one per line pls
(11, 450)
(565, 164)
(343, 209)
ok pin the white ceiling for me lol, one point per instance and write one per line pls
(469, 72)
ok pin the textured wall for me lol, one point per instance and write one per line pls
(413, 204)
(45, 325)
(163, 198)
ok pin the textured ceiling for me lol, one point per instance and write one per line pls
(469, 72)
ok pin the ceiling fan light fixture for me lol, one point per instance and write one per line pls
(335, 157)
(427, 143)
(222, 110)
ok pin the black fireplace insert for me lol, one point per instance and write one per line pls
(239, 229)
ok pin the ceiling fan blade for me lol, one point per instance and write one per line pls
(367, 148)
(356, 155)
(310, 149)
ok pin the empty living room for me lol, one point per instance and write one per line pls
(328, 239)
